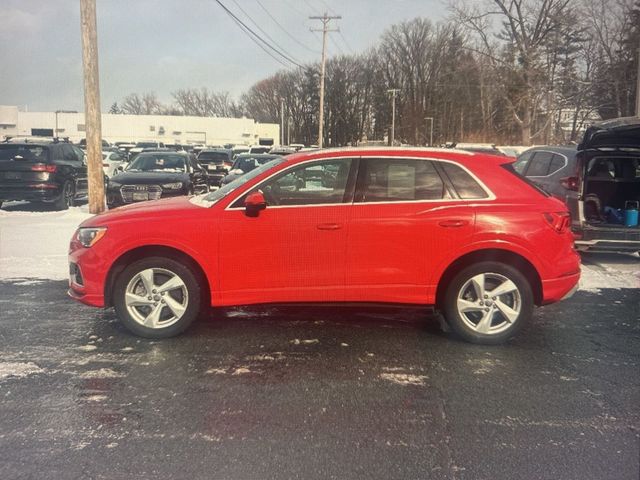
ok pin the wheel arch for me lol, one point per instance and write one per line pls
(145, 251)
(495, 255)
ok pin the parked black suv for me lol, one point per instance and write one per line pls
(154, 175)
(42, 172)
(598, 180)
(218, 162)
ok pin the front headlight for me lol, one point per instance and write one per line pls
(89, 236)
(113, 184)
(172, 186)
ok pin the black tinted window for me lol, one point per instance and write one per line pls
(539, 164)
(465, 185)
(399, 179)
(30, 153)
(557, 162)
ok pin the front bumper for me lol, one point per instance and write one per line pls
(87, 277)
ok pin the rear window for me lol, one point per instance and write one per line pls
(29, 153)
(466, 187)
(211, 157)
(509, 168)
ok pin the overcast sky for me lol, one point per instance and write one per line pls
(161, 45)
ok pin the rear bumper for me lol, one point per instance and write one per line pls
(612, 238)
(29, 194)
(557, 289)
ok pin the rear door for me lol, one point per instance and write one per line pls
(72, 162)
(405, 220)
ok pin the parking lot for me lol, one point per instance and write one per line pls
(269, 392)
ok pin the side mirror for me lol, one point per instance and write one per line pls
(237, 171)
(254, 203)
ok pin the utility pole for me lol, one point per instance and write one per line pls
(92, 105)
(430, 130)
(325, 19)
(393, 92)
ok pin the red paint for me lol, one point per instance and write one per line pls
(354, 252)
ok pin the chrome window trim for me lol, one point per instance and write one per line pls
(490, 195)
(566, 162)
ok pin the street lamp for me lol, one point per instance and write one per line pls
(430, 130)
(393, 92)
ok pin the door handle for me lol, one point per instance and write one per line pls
(329, 226)
(453, 223)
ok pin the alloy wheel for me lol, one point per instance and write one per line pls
(489, 303)
(156, 298)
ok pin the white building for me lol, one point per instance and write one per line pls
(137, 128)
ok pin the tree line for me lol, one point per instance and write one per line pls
(502, 71)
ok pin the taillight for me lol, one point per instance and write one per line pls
(559, 221)
(570, 183)
(40, 167)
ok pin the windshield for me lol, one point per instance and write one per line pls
(222, 192)
(158, 162)
(30, 153)
(213, 157)
(146, 145)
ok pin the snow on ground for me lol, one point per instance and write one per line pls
(35, 244)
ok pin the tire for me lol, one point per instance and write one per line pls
(487, 319)
(152, 314)
(66, 196)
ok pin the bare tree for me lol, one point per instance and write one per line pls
(517, 50)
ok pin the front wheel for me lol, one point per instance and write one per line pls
(157, 297)
(488, 302)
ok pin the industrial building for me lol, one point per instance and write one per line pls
(168, 129)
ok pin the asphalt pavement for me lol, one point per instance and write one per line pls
(317, 393)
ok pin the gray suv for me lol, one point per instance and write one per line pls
(597, 180)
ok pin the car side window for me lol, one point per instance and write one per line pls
(557, 162)
(539, 165)
(521, 163)
(399, 179)
(70, 154)
(466, 187)
(317, 183)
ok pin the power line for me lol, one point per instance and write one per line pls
(253, 34)
(335, 44)
(285, 30)
(265, 33)
(258, 44)
(345, 41)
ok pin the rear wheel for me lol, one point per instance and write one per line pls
(157, 297)
(488, 302)
(66, 196)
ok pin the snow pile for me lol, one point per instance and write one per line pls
(36, 244)
(594, 278)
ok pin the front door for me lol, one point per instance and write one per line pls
(294, 250)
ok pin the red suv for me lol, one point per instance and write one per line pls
(456, 230)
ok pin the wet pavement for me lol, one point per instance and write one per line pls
(317, 393)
